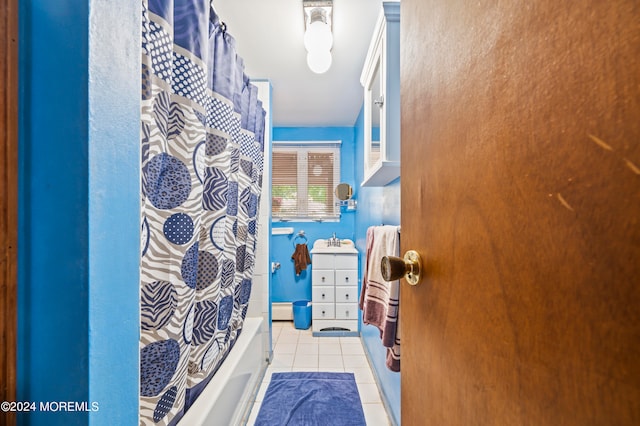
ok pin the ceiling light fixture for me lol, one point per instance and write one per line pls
(318, 39)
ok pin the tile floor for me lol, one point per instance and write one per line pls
(298, 350)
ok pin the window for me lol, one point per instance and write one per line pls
(303, 178)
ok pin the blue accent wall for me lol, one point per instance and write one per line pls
(376, 205)
(79, 203)
(285, 285)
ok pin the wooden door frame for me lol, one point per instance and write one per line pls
(8, 200)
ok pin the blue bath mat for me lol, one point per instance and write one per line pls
(310, 399)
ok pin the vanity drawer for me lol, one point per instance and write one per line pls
(323, 261)
(347, 277)
(346, 311)
(323, 310)
(322, 294)
(322, 277)
(347, 294)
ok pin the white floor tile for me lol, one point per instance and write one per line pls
(290, 330)
(330, 349)
(305, 361)
(352, 348)
(287, 338)
(375, 415)
(330, 361)
(288, 325)
(355, 361)
(307, 338)
(271, 370)
(329, 339)
(369, 393)
(307, 348)
(363, 375)
(304, 369)
(331, 369)
(285, 348)
(282, 360)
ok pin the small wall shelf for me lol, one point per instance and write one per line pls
(282, 231)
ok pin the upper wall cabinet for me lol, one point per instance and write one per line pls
(381, 81)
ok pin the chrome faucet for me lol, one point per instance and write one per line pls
(333, 241)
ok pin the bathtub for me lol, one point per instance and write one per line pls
(228, 397)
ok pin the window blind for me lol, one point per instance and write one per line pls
(304, 176)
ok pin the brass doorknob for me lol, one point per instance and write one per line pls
(409, 267)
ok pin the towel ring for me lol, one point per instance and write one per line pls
(300, 236)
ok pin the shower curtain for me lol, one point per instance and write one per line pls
(202, 130)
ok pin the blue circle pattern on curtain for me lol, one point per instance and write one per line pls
(224, 314)
(158, 362)
(189, 268)
(178, 229)
(202, 130)
(165, 404)
(207, 270)
(168, 181)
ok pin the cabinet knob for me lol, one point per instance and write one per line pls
(346, 296)
(323, 312)
(322, 279)
(409, 267)
(346, 279)
(323, 295)
(346, 313)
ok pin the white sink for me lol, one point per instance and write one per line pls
(322, 246)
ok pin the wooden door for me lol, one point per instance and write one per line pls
(8, 201)
(521, 191)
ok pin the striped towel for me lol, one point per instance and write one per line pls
(379, 299)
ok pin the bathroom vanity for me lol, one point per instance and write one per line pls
(334, 289)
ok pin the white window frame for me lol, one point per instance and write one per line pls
(303, 148)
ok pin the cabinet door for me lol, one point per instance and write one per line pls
(346, 294)
(322, 277)
(323, 310)
(347, 278)
(322, 294)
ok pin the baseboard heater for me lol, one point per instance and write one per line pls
(282, 311)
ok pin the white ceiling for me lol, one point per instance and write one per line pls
(269, 37)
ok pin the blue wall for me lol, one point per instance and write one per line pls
(78, 273)
(285, 285)
(376, 205)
